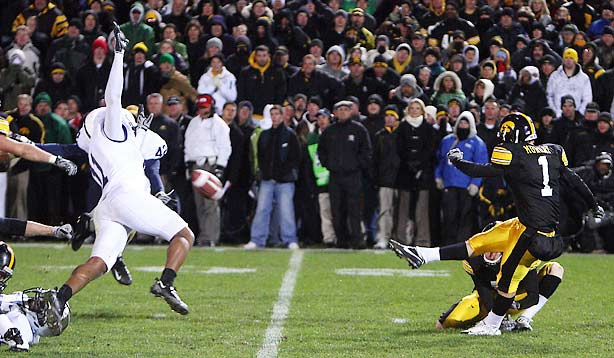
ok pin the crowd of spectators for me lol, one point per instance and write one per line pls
(329, 119)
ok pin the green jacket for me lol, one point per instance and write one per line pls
(139, 33)
(15, 80)
(321, 174)
(56, 131)
(254, 152)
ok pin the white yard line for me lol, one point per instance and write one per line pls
(272, 337)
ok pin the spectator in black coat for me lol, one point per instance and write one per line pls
(72, 49)
(507, 29)
(281, 59)
(260, 82)
(407, 91)
(604, 137)
(383, 73)
(92, 78)
(58, 84)
(573, 132)
(168, 129)
(91, 27)
(178, 16)
(217, 28)
(238, 60)
(312, 82)
(290, 36)
(374, 120)
(141, 77)
(361, 86)
(489, 126)
(458, 66)
(546, 131)
(416, 150)
(604, 94)
(335, 34)
(530, 90)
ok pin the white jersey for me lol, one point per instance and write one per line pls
(116, 164)
(151, 145)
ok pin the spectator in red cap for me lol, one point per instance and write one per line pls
(208, 147)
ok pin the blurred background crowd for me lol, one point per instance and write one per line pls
(328, 119)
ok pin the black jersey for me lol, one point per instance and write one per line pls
(532, 172)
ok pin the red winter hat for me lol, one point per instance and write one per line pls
(204, 101)
(100, 42)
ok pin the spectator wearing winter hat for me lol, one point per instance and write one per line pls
(238, 60)
(168, 47)
(361, 86)
(262, 34)
(590, 64)
(458, 66)
(217, 28)
(220, 83)
(530, 90)
(380, 71)
(400, 62)
(407, 91)
(432, 59)
(546, 131)
(507, 29)
(582, 14)
(57, 84)
(357, 23)
(307, 123)
(175, 82)
(334, 34)
(386, 165)
(605, 47)
(23, 42)
(141, 77)
(418, 50)
(547, 66)
(15, 79)
(72, 50)
(382, 48)
(569, 79)
(92, 77)
(136, 30)
(604, 137)
(91, 27)
(335, 57)
(447, 86)
(374, 119)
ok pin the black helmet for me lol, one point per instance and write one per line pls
(7, 264)
(517, 128)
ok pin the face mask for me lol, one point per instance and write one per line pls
(462, 133)
(242, 50)
(381, 49)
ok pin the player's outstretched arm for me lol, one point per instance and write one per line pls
(32, 153)
(476, 170)
(70, 151)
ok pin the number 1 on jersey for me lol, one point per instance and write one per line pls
(543, 162)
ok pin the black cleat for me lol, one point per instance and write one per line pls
(121, 42)
(121, 273)
(13, 338)
(171, 297)
(409, 253)
(82, 231)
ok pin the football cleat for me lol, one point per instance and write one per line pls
(82, 231)
(380, 245)
(55, 308)
(12, 337)
(170, 295)
(121, 273)
(482, 329)
(523, 324)
(121, 42)
(409, 253)
(508, 324)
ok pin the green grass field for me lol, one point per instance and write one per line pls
(332, 314)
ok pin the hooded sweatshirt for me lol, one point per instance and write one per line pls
(473, 149)
(339, 72)
(399, 99)
(137, 31)
(578, 86)
(442, 98)
(533, 95)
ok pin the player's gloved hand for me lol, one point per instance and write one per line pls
(69, 167)
(168, 200)
(63, 232)
(121, 42)
(439, 183)
(143, 122)
(598, 212)
(472, 189)
(515, 305)
(20, 138)
(218, 171)
(455, 154)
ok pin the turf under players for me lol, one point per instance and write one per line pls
(117, 167)
(533, 174)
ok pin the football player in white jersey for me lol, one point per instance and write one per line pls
(152, 147)
(117, 166)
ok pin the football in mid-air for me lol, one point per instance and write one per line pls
(207, 184)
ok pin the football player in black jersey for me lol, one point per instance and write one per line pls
(533, 174)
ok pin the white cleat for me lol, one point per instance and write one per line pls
(523, 324)
(482, 329)
(381, 245)
(293, 246)
(250, 246)
(508, 324)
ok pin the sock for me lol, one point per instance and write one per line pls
(64, 294)
(429, 254)
(493, 319)
(548, 285)
(168, 276)
(454, 252)
(532, 311)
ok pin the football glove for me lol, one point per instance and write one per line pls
(455, 154)
(439, 183)
(168, 200)
(143, 122)
(473, 189)
(598, 212)
(121, 42)
(63, 232)
(69, 167)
